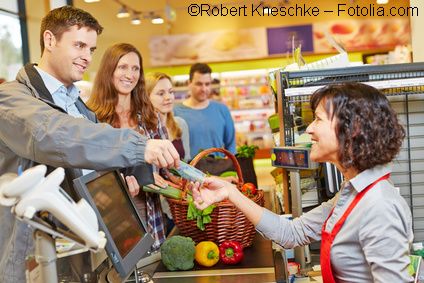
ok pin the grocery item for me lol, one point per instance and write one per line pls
(207, 253)
(249, 189)
(228, 174)
(169, 191)
(231, 252)
(202, 217)
(177, 253)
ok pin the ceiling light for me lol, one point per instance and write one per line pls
(157, 20)
(265, 8)
(91, 1)
(135, 20)
(382, 2)
(123, 13)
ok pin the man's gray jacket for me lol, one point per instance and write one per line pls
(34, 130)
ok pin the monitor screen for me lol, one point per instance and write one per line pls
(127, 239)
(291, 158)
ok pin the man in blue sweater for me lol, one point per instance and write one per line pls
(210, 123)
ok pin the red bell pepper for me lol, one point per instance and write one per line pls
(231, 252)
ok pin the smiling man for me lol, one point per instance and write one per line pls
(210, 123)
(43, 120)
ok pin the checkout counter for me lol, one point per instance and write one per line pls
(260, 264)
(257, 266)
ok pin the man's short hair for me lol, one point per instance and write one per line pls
(201, 68)
(61, 19)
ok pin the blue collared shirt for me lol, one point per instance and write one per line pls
(64, 97)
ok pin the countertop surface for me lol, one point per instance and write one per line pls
(257, 266)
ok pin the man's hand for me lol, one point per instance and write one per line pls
(161, 153)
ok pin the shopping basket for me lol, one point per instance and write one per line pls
(228, 223)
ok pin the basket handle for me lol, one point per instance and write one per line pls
(237, 167)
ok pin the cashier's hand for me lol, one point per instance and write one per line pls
(213, 190)
(161, 153)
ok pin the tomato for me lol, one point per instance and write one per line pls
(249, 189)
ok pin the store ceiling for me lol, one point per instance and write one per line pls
(121, 30)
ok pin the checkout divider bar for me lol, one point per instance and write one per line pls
(222, 272)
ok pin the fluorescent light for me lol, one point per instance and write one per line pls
(157, 20)
(123, 13)
(91, 1)
(382, 2)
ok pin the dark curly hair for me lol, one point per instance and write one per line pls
(367, 127)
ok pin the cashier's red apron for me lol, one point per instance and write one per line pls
(327, 238)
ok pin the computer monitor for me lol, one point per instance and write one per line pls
(127, 239)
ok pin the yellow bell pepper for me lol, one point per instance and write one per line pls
(206, 253)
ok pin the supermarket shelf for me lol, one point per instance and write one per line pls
(241, 120)
(258, 132)
(256, 96)
(262, 109)
(243, 84)
(185, 88)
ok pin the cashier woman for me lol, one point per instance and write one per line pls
(366, 229)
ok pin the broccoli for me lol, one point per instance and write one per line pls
(178, 253)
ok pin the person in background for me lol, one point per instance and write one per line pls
(366, 229)
(42, 120)
(209, 122)
(161, 92)
(119, 98)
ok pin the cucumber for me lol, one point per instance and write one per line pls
(169, 191)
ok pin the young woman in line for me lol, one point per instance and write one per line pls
(161, 92)
(119, 98)
(366, 229)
